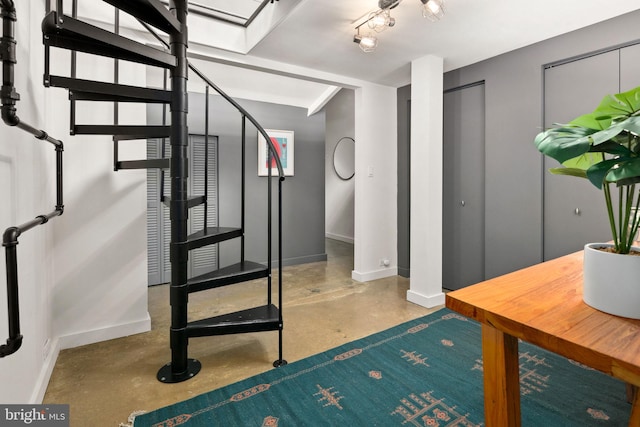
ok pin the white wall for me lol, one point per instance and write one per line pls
(376, 198)
(83, 276)
(100, 242)
(27, 189)
(339, 194)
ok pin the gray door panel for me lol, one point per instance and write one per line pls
(629, 67)
(574, 210)
(463, 181)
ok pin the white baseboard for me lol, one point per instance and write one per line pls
(45, 373)
(104, 334)
(75, 340)
(339, 237)
(428, 301)
(374, 275)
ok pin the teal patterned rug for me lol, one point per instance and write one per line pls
(427, 372)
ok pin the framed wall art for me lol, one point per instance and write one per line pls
(283, 142)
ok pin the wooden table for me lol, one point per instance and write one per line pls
(543, 305)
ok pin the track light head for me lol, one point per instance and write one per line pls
(433, 10)
(388, 4)
(367, 43)
(381, 19)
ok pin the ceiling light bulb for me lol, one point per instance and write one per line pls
(433, 10)
(380, 20)
(377, 21)
(368, 43)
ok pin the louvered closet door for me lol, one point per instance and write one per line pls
(156, 232)
(203, 260)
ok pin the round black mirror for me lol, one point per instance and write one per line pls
(344, 158)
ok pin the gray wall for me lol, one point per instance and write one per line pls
(514, 172)
(404, 179)
(303, 193)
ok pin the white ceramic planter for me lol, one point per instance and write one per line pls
(611, 281)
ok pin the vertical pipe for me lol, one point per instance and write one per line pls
(47, 64)
(115, 153)
(8, 91)
(178, 207)
(280, 270)
(74, 66)
(163, 146)
(116, 75)
(269, 226)
(13, 309)
(242, 184)
(13, 301)
(116, 65)
(180, 368)
(59, 179)
(206, 157)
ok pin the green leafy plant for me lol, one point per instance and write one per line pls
(604, 147)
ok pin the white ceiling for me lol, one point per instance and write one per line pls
(317, 35)
(256, 85)
(297, 50)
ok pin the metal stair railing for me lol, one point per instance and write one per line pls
(229, 99)
(9, 97)
(281, 177)
(181, 367)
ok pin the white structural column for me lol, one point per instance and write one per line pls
(376, 185)
(426, 181)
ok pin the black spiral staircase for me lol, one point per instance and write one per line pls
(68, 32)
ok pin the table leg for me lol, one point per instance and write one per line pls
(501, 378)
(634, 420)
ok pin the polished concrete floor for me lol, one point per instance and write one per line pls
(105, 382)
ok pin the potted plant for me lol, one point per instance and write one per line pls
(604, 147)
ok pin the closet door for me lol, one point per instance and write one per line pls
(158, 225)
(574, 210)
(203, 259)
(463, 185)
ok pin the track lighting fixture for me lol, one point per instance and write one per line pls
(367, 43)
(388, 4)
(379, 20)
(433, 10)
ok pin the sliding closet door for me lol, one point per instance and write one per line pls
(574, 210)
(463, 181)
